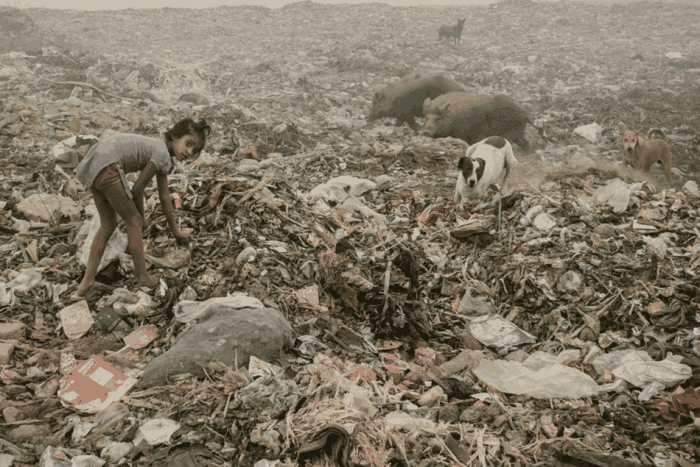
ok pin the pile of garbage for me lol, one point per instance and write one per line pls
(334, 306)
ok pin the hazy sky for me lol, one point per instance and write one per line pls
(120, 4)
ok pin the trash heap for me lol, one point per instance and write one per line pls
(334, 307)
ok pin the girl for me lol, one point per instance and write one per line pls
(104, 169)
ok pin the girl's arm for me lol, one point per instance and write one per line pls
(167, 204)
(140, 187)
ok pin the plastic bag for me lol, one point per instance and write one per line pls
(552, 380)
(187, 310)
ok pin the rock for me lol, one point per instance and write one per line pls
(12, 331)
(40, 207)
(692, 188)
(571, 282)
(383, 179)
(469, 342)
(605, 230)
(29, 432)
(114, 451)
(12, 414)
(581, 162)
(194, 98)
(448, 413)
(245, 256)
(223, 334)
(248, 165)
(75, 101)
(5, 352)
(132, 81)
(433, 397)
(6, 460)
(544, 221)
(592, 133)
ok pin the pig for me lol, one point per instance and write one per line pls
(403, 99)
(472, 118)
(452, 31)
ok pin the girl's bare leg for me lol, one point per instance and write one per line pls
(126, 208)
(108, 222)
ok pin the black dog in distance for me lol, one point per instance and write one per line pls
(453, 31)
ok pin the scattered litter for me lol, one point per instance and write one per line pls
(553, 380)
(94, 385)
(156, 431)
(592, 132)
(142, 336)
(76, 319)
(492, 330)
(332, 305)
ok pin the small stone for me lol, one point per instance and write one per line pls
(194, 98)
(12, 414)
(571, 282)
(394, 372)
(5, 352)
(692, 188)
(245, 256)
(432, 398)
(544, 222)
(448, 413)
(469, 342)
(12, 331)
(605, 230)
(29, 432)
(44, 207)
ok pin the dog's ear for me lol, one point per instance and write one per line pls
(622, 129)
(460, 164)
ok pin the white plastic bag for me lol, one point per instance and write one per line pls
(553, 380)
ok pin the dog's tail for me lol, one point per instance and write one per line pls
(658, 131)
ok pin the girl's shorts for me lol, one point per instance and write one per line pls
(107, 177)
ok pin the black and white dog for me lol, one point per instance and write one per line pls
(482, 166)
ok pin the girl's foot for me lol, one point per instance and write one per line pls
(149, 281)
(82, 289)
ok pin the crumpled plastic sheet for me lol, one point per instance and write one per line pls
(591, 132)
(62, 457)
(116, 245)
(550, 381)
(335, 189)
(23, 282)
(404, 421)
(268, 393)
(616, 194)
(156, 431)
(270, 438)
(115, 451)
(126, 302)
(187, 310)
(639, 369)
(267, 463)
(173, 259)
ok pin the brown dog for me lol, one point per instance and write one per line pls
(640, 153)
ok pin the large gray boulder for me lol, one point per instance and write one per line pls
(223, 334)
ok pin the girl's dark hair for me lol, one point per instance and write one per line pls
(187, 126)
